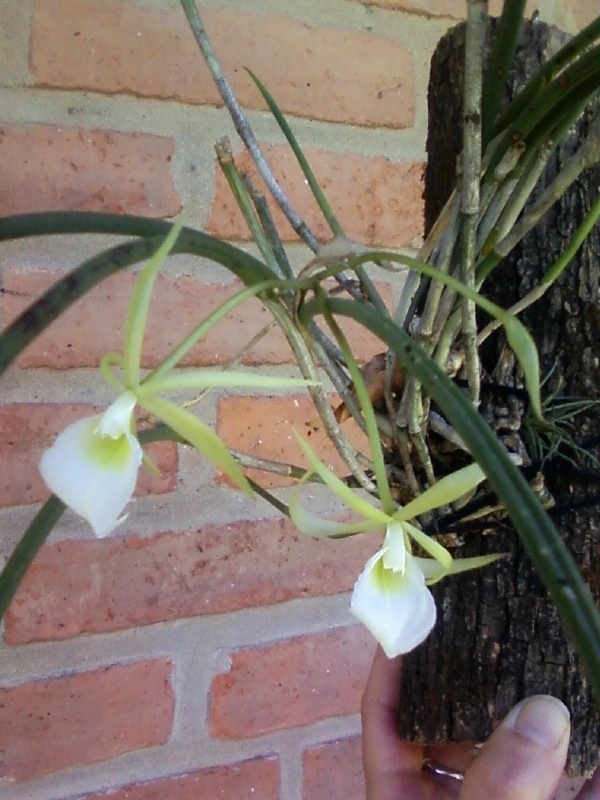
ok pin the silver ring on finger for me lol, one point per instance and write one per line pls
(442, 772)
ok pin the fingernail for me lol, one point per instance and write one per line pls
(541, 719)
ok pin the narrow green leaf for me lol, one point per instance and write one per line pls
(577, 240)
(501, 58)
(27, 549)
(313, 184)
(135, 323)
(567, 53)
(526, 352)
(578, 82)
(445, 491)
(199, 435)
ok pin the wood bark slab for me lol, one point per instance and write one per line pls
(498, 637)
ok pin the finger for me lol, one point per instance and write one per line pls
(525, 756)
(383, 751)
(591, 789)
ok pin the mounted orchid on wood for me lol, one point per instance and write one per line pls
(435, 438)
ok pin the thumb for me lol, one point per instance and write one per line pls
(525, 756)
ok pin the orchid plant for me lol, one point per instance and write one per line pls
(93, 465)
(390, 596)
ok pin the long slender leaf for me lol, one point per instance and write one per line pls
(578, 82)
(501, 58)
(568, 52)
(539, 536)
(313, 184)
(27, 549)
(59, 297)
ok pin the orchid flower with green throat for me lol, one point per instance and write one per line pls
(93, 464)
(390, 596)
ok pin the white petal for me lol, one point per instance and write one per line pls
(94, 473)
(398, 609)
(116, 420)
(394, 546)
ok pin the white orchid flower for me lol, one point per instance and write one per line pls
(93, 464)
(391, 596)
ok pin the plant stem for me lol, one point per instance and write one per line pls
(243, 127)
(242, 198)
(475, 41)
(587, 155)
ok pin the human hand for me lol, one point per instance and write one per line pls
(522, 760)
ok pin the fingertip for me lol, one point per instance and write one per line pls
(541, 719)
(525, 756)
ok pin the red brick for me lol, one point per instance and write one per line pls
(51, 168)
(455, 9)
(76, 587)
(324, 73)
(377, 201)
(585, 11)
(262, 427)
(429, 8)
(333, 771)
(297, 682)
(50, 725)
(27, 429)
(248, 780)
(93, 325)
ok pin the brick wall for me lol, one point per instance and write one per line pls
(205, 648)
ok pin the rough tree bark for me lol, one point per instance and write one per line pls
(498, 636)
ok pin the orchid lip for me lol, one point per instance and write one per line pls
(93, 465)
